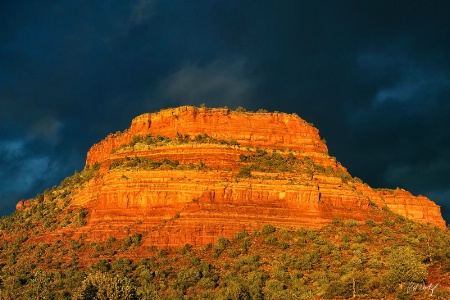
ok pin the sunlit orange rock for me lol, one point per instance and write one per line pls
(177, 207)
(265, 130)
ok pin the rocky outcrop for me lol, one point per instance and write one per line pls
(23, 203)
(265, 130)
(187, 204)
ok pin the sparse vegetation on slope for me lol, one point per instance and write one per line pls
(340, 261)
(50, 210)
(149, 140)
(143, 163)
(262, 161)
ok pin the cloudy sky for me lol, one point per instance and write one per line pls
(373, 76)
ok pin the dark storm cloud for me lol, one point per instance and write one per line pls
(373, 76)
(405, 121)
(216, 83)
(26, 168)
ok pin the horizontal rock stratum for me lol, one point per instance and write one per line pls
(188, 175)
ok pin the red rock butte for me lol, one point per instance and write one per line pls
(205, 195)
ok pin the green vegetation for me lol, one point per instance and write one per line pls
(340, 261)
(143, 163)
(239, 109)
(262, 161)
(158, 141)
(104, 286)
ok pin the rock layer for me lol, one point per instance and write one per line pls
(265, 130)
(173, 207)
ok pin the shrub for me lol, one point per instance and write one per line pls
(312, 235)
(245, 244)
(104, 286)
(285, 234)
(345, 245)
(80, 216)
(370, 222)
(283, 245)
(346, 238)
(240, 235)
(271, 240)
(207, 283)
(268, 229)
(240, 109)
(325, 249)
(125, 243)
(244, 172)
(352, 223)
(187, 277)
(338, 222)
(387, 209)
(233, 253)
(361, 237)
(75, 245)
(186, 249)
(102, 265)
(256, 280)
(235, 289)
(281, 273)
(148, 290)
(247, 263)
(376, 230)
(375, 263)
(388, 232)
(301, 231)
(220, 246)
(122, 265)
(302, 242)
(275, 290)
(136, 239)
(222, 242)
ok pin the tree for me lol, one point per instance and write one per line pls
(404, 266)
(40, 285)
(274, 290)
(102, 286)
(187, 277)
(235, 289)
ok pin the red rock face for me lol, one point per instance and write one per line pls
(265, 130)
(177, 207)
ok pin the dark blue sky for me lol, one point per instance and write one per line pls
(373, 76)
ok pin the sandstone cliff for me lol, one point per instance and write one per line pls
(189, 175)
(265, 130)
